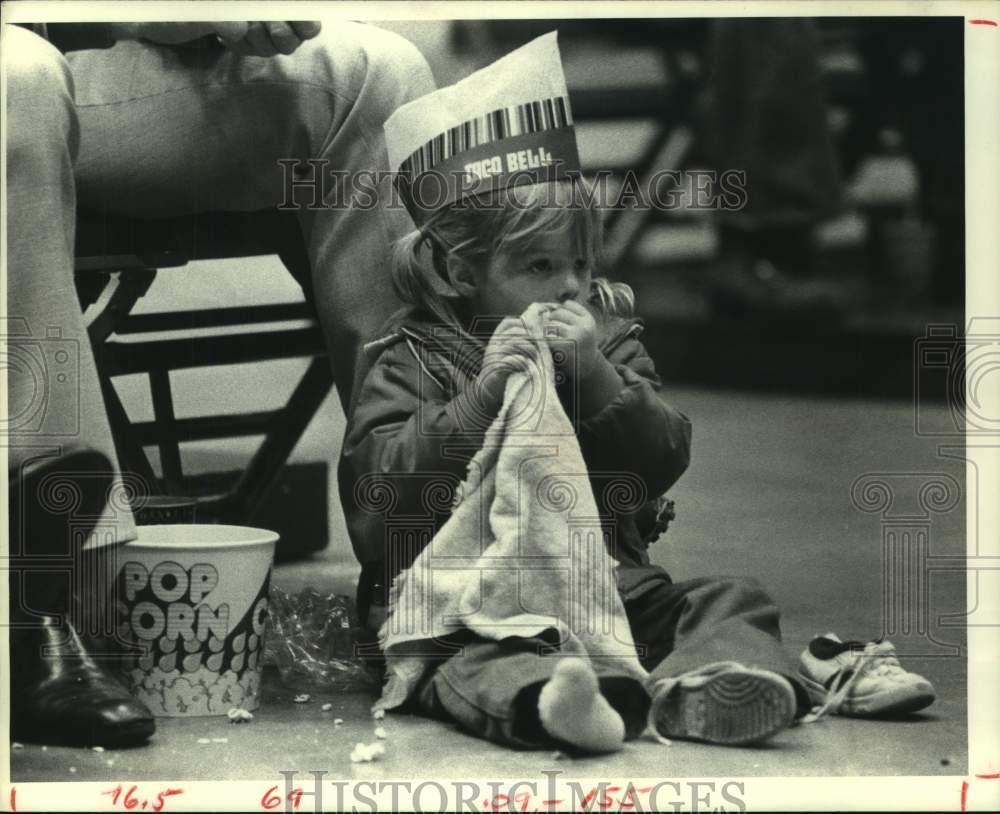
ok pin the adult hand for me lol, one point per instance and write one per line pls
(263, 39)
(177, 33)
(572, 334)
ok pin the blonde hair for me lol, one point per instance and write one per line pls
(476, 230)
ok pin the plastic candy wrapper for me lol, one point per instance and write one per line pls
(311, 639)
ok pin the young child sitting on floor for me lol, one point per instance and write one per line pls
(717, 669)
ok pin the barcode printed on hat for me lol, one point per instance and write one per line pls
(516, 120)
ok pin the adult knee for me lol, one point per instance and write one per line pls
(396, 67)
(369, 65)
(36, 71)
(41, 112)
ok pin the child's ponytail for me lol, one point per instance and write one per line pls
(416, 279)
(406, 271)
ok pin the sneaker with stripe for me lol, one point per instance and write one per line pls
(860, 679)
(725, 703)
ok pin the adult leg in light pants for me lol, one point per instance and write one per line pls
(59, 504)
(169, 131)
(152, 131)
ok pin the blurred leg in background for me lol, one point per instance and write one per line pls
(768, 118)
(912, 110)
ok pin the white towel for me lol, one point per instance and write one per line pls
(523, 551)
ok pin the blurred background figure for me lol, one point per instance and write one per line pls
(903, 143)
(768, 118)
(849, 130)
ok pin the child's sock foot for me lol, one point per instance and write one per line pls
(573, 710)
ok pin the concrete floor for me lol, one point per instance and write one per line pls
(768, 495)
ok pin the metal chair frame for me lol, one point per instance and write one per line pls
(117, 262)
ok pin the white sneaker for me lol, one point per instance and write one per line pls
(724, 703)
(857, 679)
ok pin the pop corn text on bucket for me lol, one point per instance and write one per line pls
(191, 602)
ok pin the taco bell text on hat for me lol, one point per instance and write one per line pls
(506, 124)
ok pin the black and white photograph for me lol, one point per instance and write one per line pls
(500, 407)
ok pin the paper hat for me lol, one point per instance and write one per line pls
(506, 124)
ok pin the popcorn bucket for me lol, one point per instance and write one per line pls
(191, 601)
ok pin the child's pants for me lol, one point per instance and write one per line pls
(491, 688)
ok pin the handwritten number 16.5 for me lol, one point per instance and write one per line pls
(130, 801)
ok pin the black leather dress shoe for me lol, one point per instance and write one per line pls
(58, 692)
(60, 695)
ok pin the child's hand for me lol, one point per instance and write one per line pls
(510, 349)
(572, 333)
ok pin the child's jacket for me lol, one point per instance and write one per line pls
(416, 426)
